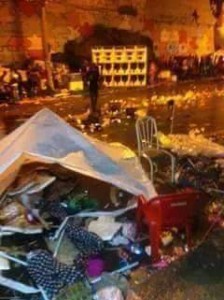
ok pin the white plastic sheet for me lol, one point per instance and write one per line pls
(105, 227)
(47, 138)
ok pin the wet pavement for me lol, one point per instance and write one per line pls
(198, 105)
(199, 276)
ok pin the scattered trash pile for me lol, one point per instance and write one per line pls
(200, 165)
(215, 212)
(201, 172)
(193, 144)
(120, 111)
(39, 203)
(189, 98)
(72, 210)
(184, 100)
(90, 254)
(57, 174)
(199, 160)
(114, 112)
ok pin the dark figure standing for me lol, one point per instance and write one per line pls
(84, 72)
(93, 77)
(16, 85)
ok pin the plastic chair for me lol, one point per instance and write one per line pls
(168, 211)
(148, 144)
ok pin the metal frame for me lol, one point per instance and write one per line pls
(147, 138)
(146, 132)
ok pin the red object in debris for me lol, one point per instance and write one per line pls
(167, 211)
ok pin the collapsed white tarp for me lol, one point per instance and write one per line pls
(47, 138)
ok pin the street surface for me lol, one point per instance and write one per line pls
(198, 105)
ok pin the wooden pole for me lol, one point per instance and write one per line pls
(46, 48)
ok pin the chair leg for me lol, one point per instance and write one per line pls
(173, 166)
(154, 232)
(188, 234)
(139, 217)
(150, 162)
(172, 163)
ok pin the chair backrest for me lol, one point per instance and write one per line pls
(178, 209)
(173, 209)
(146, 132)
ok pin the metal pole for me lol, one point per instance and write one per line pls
(172, 119)
(45, 47)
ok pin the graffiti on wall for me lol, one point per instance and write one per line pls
(184, 42)
(76, 21)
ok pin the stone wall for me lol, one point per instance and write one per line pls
(177, 27)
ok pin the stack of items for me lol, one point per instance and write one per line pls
(122, 66)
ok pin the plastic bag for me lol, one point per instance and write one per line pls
(129, 230)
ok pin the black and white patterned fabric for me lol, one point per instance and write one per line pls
(86, 242)
(57, 211)
(52, 275)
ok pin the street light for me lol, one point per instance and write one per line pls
(44, 37)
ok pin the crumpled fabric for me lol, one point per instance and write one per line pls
(52, 275)
(86, 242)
(106, 227)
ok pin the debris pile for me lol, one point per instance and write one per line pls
(64, 206)
(83, 224)
(194, 143)
(47, 201)
(114, 112)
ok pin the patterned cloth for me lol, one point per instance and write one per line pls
(86, 242)
(52, 275)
